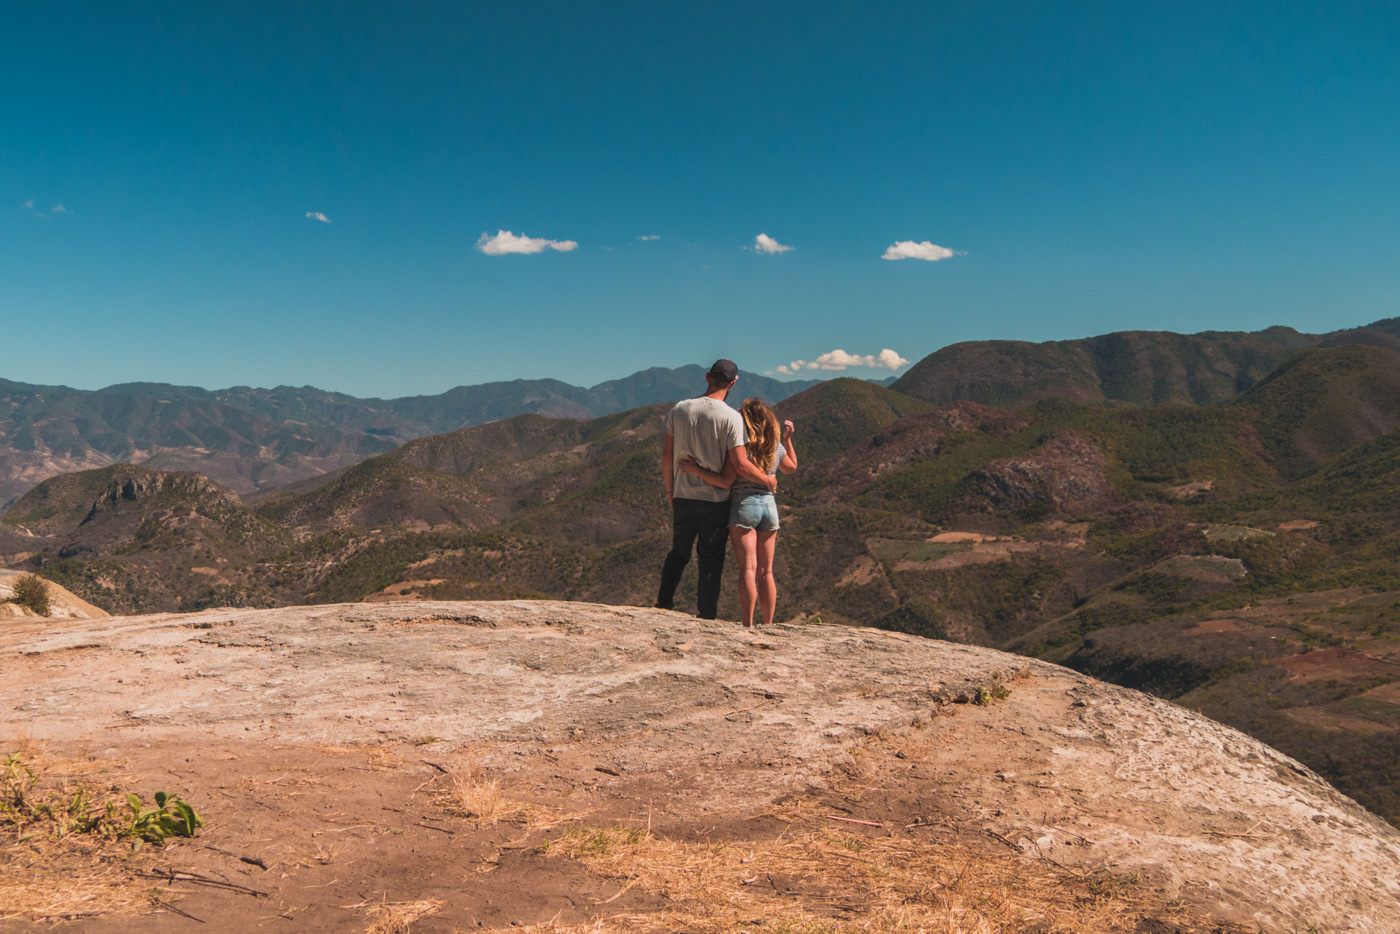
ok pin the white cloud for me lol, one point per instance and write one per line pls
(59, 209)
(890, 360)
(841, 360)
(318, 216)
(28, 205)
(908, 249)
(766, 244)
(506, 242)
(649, 237)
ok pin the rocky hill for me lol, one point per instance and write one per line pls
(570, 768)
(145, 538)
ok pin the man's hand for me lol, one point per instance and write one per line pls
(746, 469)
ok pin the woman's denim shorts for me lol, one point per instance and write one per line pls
(755, 511)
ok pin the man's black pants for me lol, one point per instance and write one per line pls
(704, 525)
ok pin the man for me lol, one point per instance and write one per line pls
(708, 430)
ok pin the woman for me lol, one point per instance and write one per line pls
(753, 510)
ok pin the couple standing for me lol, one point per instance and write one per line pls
(721, 473)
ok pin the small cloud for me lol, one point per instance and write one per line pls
(841, 360)
(318, 216)
(929, 252)
(506, 242)
(645, 237)
(766, 244)
(59, 209)
(28, 205)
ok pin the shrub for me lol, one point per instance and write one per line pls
(32, 591)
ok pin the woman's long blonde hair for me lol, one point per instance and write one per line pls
(761, 424)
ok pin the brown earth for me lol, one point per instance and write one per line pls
(1337, 662)
(465, 766)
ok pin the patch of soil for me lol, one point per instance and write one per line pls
(1334, 720)
(980, 553)
(1210, 626)
(1388, 693)
(1337, 663)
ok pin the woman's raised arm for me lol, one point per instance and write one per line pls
(789, 462)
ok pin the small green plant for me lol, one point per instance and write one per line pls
(26, 810)
(596, 841)
(15, 783)
(32, 591)
(171, 817)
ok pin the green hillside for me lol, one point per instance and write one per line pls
(1137, 367)
(842, 413)
(1324, 402)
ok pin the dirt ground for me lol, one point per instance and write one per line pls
(437, 767)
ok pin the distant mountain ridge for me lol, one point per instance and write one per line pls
(251, 439)
(1136, 367)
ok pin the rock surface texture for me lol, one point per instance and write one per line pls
(682, 720)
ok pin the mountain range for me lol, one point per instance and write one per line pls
(1236, 553)
(255, 439)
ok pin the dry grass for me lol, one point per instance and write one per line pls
(377, 756)
(395, 917)
(47, 871)
(43, 888)
(817, 879)
(471, 791)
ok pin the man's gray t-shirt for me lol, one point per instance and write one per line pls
(705, 429)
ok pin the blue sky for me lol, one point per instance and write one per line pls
(306, 193)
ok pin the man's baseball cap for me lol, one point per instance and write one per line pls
(725, 370)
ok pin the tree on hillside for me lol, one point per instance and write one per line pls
(32, 591)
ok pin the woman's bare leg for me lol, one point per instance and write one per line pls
(767, 544)
(746, 554)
